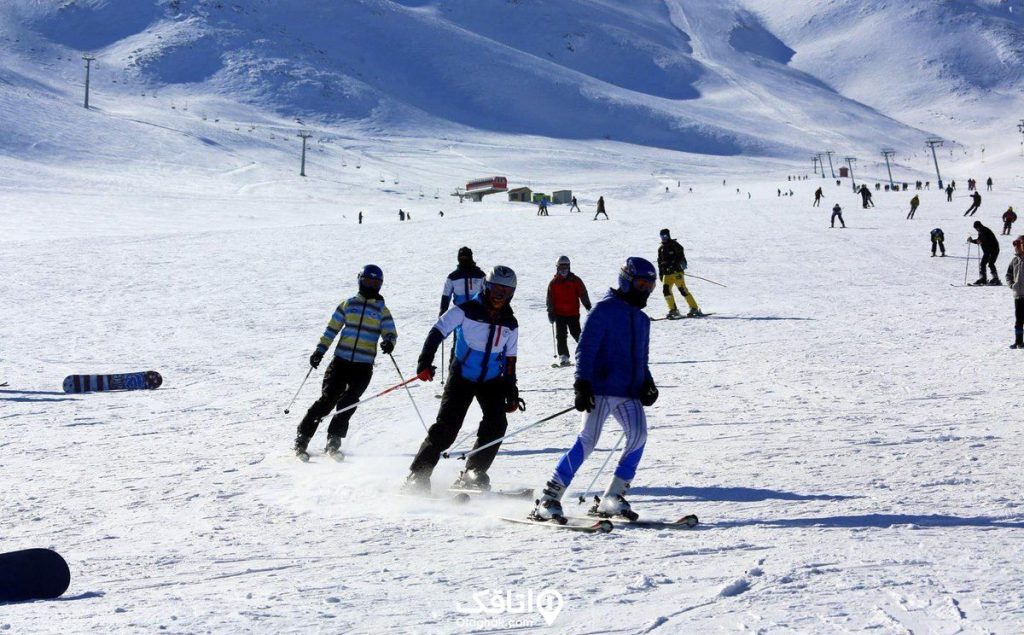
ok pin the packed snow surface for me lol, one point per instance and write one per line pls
(845, 424)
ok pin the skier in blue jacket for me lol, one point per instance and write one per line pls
(612, 378)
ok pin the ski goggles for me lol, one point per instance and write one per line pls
(371, 283)
(643, 285)
(501, 292)
(563, 268)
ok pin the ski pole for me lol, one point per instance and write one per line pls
(967, 265)
(409, 392)
(288, 408)
(554, 346)
(380, 394)
(586, 494)
(462, 455)
(442, 365)
(706, 280)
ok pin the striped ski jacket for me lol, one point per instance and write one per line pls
(358, 323)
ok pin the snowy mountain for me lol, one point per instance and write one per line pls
(720, 78)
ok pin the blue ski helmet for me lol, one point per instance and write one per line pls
(370, 277)
(637, 276)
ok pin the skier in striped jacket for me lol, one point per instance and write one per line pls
(357, 324)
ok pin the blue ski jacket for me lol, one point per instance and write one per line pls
(613, 350)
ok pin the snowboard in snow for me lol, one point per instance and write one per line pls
(33, 574)
(147, 380)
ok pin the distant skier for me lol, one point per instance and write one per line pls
(817, 197)
(914, 202)
(949, 193)
(565, 294)
(612, 378)
(575, 206)
(837, 212)
(401, 215)
(938, 239)
(865, 197)
(463, 283)
(671, 265)
(1009, 218)
(989, 183)
(1015, 280)
(989, 253)
(600, 208)
(360, 218)
(542, 207)
(483, 368)
(358, 323)
(976, 198)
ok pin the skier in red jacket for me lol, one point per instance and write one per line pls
(565, 293)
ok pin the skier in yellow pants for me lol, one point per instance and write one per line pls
(671, 265)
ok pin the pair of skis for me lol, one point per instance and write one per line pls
(682, 317)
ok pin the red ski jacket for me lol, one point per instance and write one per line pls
(565, 295)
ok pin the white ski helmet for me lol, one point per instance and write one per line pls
(500, 275)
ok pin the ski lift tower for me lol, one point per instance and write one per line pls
(89, 59)
(304, 134)
(814, 163)
(887, 153)
(934, 142)
(850, 161)
(829, 153)
(821, 164)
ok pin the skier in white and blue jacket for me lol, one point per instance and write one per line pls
(612, 378)
(483, 367)
(462, 284)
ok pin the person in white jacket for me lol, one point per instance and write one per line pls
(1015, 280)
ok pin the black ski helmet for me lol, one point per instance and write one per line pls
(665, 234)
(370, 279)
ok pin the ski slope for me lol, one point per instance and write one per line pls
(844, 424)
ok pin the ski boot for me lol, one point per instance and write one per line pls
(980, 281)
(694, 312)
(563, 360)
(301, 442)
(1018, 339)
(613, 503)
(549, 506)
(473, 479)
(417, 483)
(674, 314)
(995, 282)
(333, 448)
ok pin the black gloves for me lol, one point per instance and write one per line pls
(512, 400)
(386, 346)
(648, 393)
(316, 357)
(584, 395)
(551, 317)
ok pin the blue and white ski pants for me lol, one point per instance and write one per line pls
(630, 415)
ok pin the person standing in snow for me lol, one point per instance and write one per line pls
(463, 283)
(938, 239)
(358, 323)
(914, 202)
(483, 368)
(671, 265)
(989, 253)
(949, 193)
(1015, 280)
(360, 218)
(600, 208)
(976, 198)
(612, 379)
(817, 197)
(1009, 218)
(575, 206)
(989, 183)
(865, 196)
(837, 212)
(565, 294)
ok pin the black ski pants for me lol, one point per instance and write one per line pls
(458, 395)
(344, 383)
(938, 242)
(1018, 314)
(566, 325)
(1007, 226)
(971, 210)
(838, 215)
(988, 257)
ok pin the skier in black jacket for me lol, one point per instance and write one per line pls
(989, 253)
(462, 284)
(671, 265)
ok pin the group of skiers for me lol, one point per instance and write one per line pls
(612, 376)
